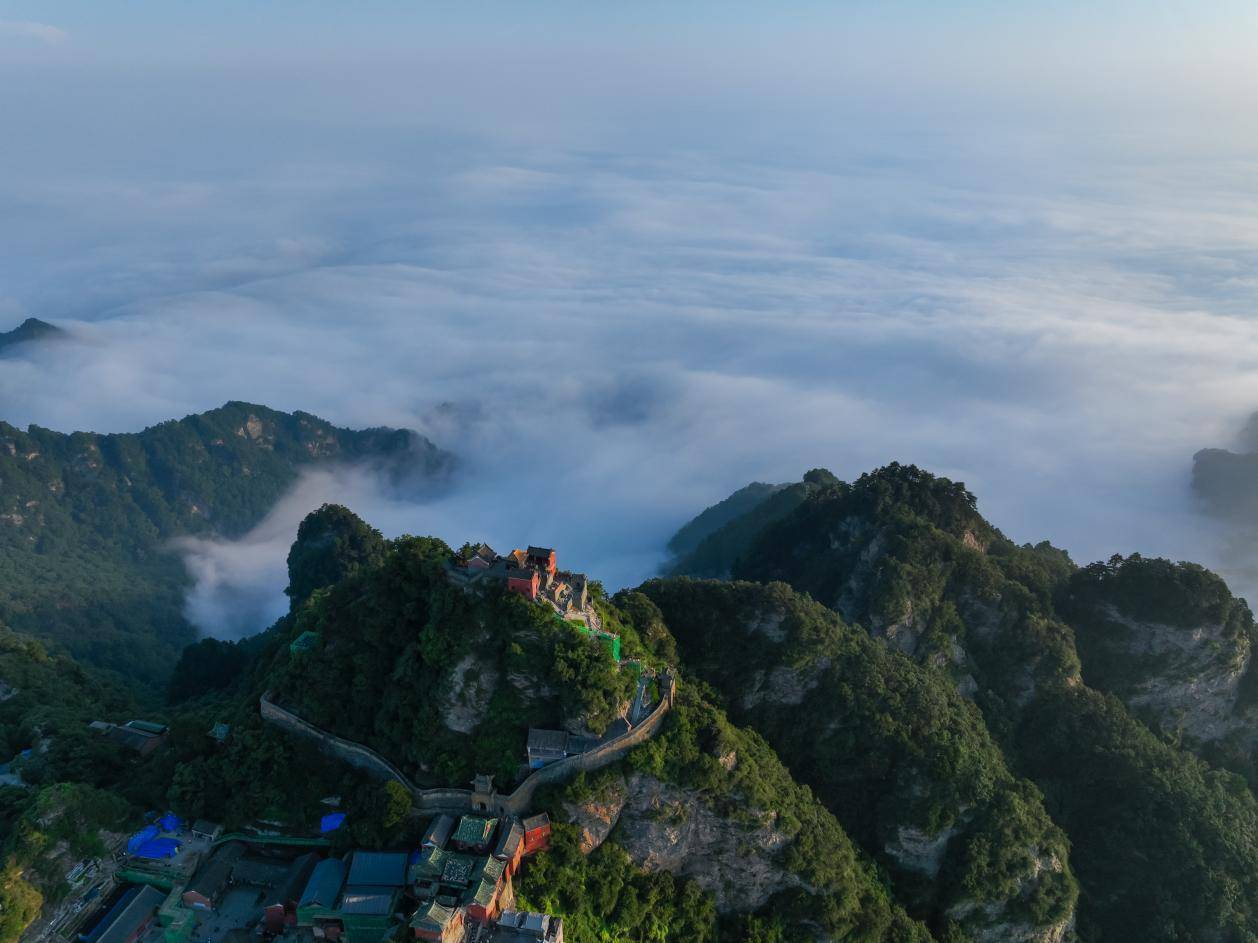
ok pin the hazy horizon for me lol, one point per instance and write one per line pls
(625, 260)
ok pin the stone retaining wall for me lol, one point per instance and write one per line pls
(460, 800)
(602, 755)
(355, 754)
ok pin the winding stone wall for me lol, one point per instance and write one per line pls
(355, 754)
(460, 800)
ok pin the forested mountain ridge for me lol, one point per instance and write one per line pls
(30, 330)
(700, 833)
(903, 761)
(1226, 480)
(85, 519)
(710, 544)
(1173, 644)
(712, 519)
(1164, 846)
(894, 725)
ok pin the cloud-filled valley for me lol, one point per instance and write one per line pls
(615, 329)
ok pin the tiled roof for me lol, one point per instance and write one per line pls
(474, 830)
(142, 906)
(439, 831)
(487, 885)
(212, 878)
(510, 842)
(458, 869)
(549, 741)
(431, 863)
(536, 821)
(434, 918)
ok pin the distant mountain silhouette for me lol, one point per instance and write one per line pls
(32, 329)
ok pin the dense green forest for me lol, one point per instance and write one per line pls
(86, 520)
(411, 664)
(1164, 847)
(900, 724)
(446, 683)
(711, 543)
(605, 896)
(888, 745)
(394, 639)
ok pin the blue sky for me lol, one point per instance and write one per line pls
(634, 256)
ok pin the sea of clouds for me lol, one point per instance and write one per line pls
(617, 305)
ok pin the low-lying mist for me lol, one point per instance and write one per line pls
(238, 585)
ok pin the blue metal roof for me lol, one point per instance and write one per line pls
(367, 901)
(378, 869)
(324, 884)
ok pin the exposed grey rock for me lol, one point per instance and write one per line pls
(472, 681)
(666, 828)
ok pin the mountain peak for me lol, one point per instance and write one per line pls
(32, 329)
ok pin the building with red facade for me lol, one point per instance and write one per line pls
(536, 833)
(525, 581)
(541, 558)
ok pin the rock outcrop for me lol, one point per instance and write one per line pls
(886, 743)
(471, 682)
(667, 828)
(1173, 644)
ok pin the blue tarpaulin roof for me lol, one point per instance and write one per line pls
(136, 841)
(331, 822)
(169, 822)
(158, 848)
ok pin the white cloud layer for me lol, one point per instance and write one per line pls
(618, 322)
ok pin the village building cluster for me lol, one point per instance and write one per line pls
(181, 884)
(142, 736)
(462, 875)
(189, 885)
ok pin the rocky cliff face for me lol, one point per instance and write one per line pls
(887, 744)
(907, 557)
(1195, 686)
(1172, 643)
(471, 683)
(668, 828)
(1034, 641)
